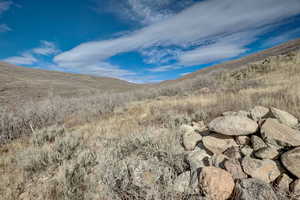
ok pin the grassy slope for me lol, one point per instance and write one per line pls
(21, 84)
(27, 171)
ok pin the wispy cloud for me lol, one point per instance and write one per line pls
(30, 57)
(193, 26)
(4, 6)
(4, 28)
(46, 48)
(23, 59)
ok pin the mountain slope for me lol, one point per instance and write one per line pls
(20, 84)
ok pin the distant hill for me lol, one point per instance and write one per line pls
(239, 63)
(19, 84)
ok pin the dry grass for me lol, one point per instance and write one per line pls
(91, 156)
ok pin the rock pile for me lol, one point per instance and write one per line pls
(244, 155)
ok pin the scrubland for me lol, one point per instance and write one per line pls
(84, 148)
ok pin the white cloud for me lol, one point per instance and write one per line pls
(4, 6)
(4, 28)
(196, 24)
(164, 68)
(46, 48)
(29, 57)
(156, 55)
(23, 59)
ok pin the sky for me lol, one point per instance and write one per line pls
(141, 41)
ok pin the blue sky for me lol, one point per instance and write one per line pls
(141, 40)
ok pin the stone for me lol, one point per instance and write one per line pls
(257, 143)
(199, 126)
(197, 159)
(233, 125)
(182, 184)
(217, 143)
(284, 117)
(295, 187)
(235, 169)
(242, 140)
(283, 182)
(265, 170)
(186, 128)
(291, 161)
(279, 134)
(246, 150)
(233, 153)
(216, 183)
(251, 188)
(267, 153)
(229, 113)
(217, 160)
(190, 140)
(259, 112)
(243, 113)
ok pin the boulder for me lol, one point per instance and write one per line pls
(246, 150)
(283, 182)
(216, 183)
(267, 153)
(257, 143)
(190, 140)
(233, 125)
(276, 133)
(250, 189)
(295, 187)
(186, 128)
(235, 169)
(242, 140)
(218, 143)
(265, 170)
(291, 161)
(259, 112)
(284, 117)
(199, 126)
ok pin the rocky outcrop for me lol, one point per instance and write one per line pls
(256, 148)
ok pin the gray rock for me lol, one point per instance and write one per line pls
(267, 153)
(242, 140)
(250, 189)
(197, 159)
(235, 169)
(295, 187)
(246, 150)
(182, 184)
(291, 161)
(217, 160)
(284, 117)
(217, 143)
(190, 140)
(259, 112)
(265, 170)
(257, 143)
(233, 125)
(186, 128)
(199, 126)
(283, 182)
(276, 133)
(233, 153)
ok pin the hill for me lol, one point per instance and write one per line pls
(19, 84)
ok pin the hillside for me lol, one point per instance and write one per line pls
(19, 84)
